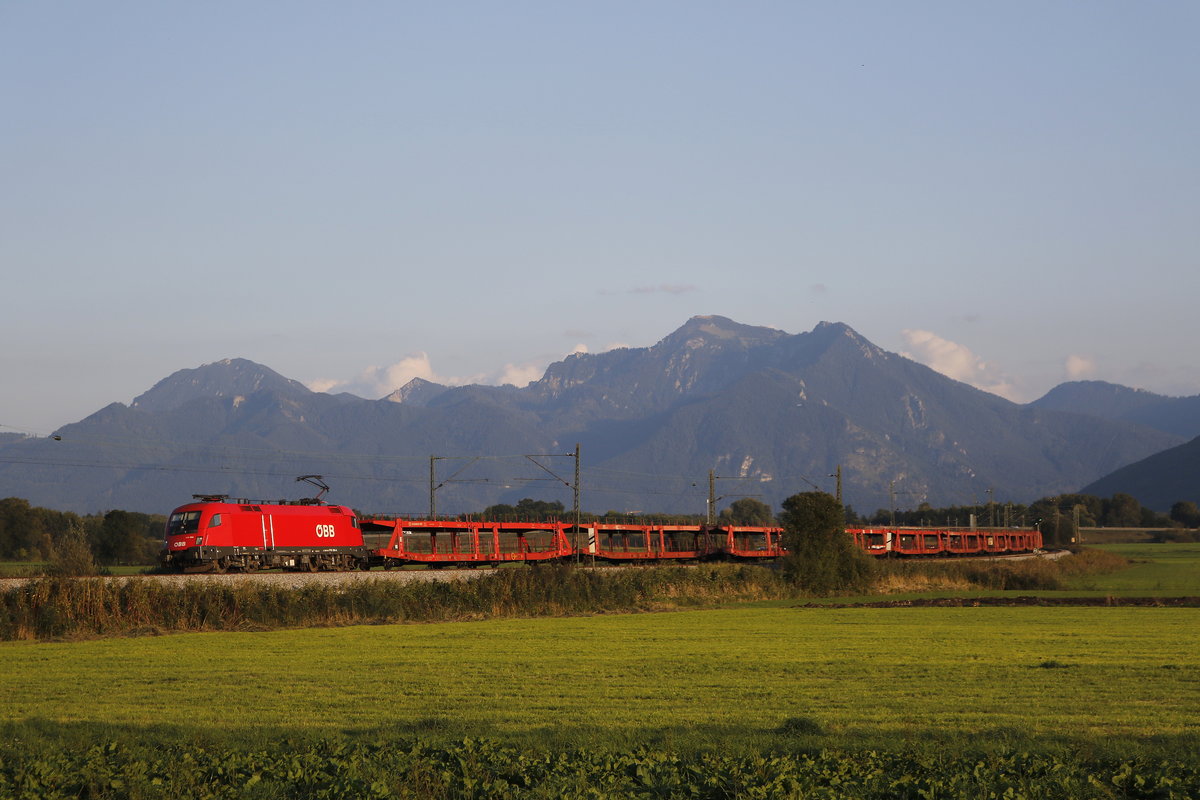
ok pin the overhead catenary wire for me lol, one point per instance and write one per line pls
(603, 481)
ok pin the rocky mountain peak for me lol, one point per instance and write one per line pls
(230, 377)
(416, 392)
(712, 330)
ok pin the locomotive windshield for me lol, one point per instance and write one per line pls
(182, 522)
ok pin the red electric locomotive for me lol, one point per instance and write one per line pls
(215, 534)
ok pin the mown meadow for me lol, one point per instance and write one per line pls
(1159, 570)
(727, 694)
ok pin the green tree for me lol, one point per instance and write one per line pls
(127, 537)
(821, 558)
(1186, 514)
(749, 512)
(526, 509)
(1122, 511)
(21, 534)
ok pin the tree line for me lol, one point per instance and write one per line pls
(31, 533)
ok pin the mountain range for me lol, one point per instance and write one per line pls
(1176, 415)
(770, 413)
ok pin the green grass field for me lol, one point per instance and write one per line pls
(1158, 570)
(32, 569)
(695, 679)
(22, 569)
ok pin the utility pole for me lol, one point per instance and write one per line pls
(577, 529)
(892, 500)
(712, 496)
(533, 459)
(434, 485)
(432, 491)
(713, 477)
(838, 474)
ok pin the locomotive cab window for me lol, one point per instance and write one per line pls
(215, 521)
(183, 522)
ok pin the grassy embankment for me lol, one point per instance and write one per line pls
(920, 578)
(67, 608)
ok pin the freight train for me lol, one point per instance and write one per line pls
(215, 534)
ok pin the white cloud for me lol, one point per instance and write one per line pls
(1078, 368)
(376, 381)
(519, 374)
(958, 362)
(323, 384)
(404, 370)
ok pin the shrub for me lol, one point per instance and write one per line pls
(71, 555)
(821, 558)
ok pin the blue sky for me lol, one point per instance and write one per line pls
(356, 194)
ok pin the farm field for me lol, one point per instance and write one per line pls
(1159, 570)
(694, 678)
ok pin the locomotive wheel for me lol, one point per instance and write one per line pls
(364, 565)
(219, 566)
(311, 566)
